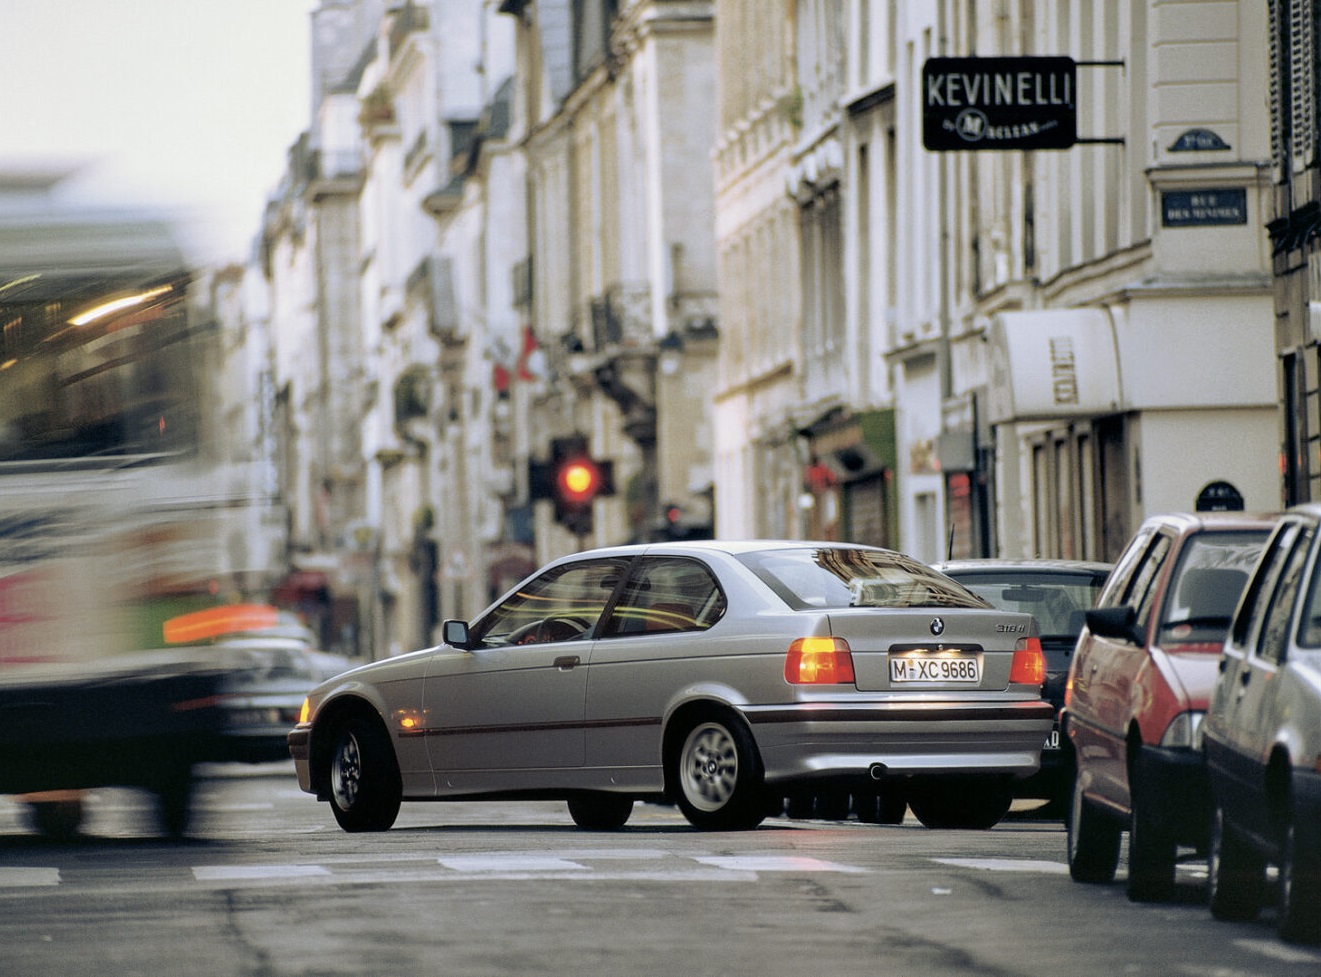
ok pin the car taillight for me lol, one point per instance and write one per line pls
(819, 661)
(1029, 666)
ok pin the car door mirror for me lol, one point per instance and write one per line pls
(455, 634)
(1115, 622)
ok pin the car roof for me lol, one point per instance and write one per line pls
(997, 564)
(727, 546)
(1190, 522)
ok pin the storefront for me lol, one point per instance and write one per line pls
(1101, 416)
(848, 483)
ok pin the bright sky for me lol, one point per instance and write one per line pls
(182, 103)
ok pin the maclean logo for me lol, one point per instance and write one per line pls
(937, 626)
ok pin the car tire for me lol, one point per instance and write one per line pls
(884, 804)
(1092, 838)
(362, 776)
(174, 800)
(1236, 873)
(800, 805)
(975, 803)
(600, 811)
(1152, 851)
(1299, 919)
(833, 805)
(715, 774)
(57, 820)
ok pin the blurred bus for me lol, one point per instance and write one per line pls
(112, 516)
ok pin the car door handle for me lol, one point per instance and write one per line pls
(566, 662)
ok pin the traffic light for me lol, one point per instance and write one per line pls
(573, 480)
(579, 481)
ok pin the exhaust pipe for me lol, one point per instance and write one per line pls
(876, 771)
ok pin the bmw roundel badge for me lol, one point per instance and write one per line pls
(937, 626)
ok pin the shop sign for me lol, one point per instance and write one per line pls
(999, 103)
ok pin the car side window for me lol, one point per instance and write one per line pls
(1262, 583)
(666, 595)
(1142, 593)
(1117, 586)
(1309, 632)
(1273, 642)
(562, 604)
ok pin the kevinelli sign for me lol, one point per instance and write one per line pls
(999, 103)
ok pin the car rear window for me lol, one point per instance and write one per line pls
(1058, 600)
(1212, 572)
(852, 577)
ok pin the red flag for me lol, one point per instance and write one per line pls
(531, 362)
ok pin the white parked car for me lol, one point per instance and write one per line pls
(1262, 738)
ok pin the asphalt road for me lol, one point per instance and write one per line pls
(268, 886)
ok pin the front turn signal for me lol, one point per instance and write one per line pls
(1029, 666)
(819, 661)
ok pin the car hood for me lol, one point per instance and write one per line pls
(1191, 671)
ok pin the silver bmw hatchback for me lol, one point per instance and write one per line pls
(712, 675)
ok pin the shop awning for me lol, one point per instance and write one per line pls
(1052, 364)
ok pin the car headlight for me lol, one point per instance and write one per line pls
(1184, 731)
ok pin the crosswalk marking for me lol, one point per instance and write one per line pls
(510, 861)
(1280, 951)
(1007, 865)
(23, 877)
(774, 863)
(228, 873)
(655, 865)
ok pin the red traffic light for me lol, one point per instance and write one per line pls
(578, 481)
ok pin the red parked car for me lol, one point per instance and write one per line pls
(1138, 689)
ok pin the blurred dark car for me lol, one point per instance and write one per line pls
(1262, 739)
(268, 675)
(1058, 593)
(1138, 690)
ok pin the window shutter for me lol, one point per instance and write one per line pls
(1279, 89)
(1302, 84)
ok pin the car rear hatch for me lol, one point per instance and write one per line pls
(933, 649)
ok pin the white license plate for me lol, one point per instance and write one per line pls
(1053, 740)
(935, 667)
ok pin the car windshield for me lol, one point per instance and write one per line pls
(1058, 600)
(1207, 584)
(255, 664)
(849, 577)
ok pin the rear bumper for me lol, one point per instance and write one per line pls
(811, 741)
(1052, 781)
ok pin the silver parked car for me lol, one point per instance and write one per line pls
(1262, 738)
(709, 674)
